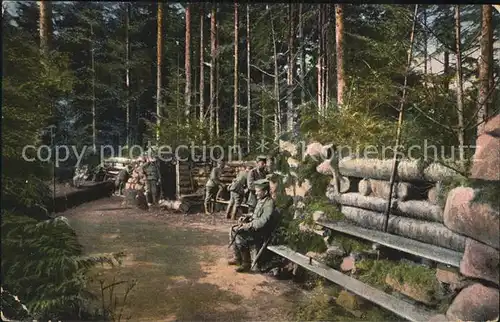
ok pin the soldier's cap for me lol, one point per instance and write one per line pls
(261, 158)
(261, 184)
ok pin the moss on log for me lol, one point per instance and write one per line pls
(416, 209)
(428, 232)
(381, 169)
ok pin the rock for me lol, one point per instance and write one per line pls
(415, 292)
(335, 251)
(486, 165)
(348, 264)
(315, 256)
(449, 276)
(474, 303)
(349, 301)
(293, 163)
(314, 150)
(492, 127)
(480, 261)
(325, 168)
(478, 221)
(319, 215)
(438, 318)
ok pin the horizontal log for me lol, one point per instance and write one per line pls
(346, 184)
(380, 169)
(401, 191)
(428, 232)
(415, 209)
(435, 172)
(364, 187)
(171, 204)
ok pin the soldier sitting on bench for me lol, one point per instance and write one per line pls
(254, 228)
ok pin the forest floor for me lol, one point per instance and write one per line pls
(180, 265)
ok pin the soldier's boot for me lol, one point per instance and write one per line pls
(229, 211)
(236, 257)
(207, 209)
(245, 261)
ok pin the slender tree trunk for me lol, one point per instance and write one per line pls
(212, 70)
(425, 40)
(159, 56)
(320, 60)
(263, 110)
(202, 67)
(446, 69)
(187, 66)
(485, 68)
(45, 27)
(291, 67)
(236, 42)
(339, 38)
(302, 56)
(217, 83)
(249, 77)
(326, 23)
(127, 70)
(277, 113)
(459, 83)
(92, 59)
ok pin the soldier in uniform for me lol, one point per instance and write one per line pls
(152, 180)
(255, 174)
(237, 193)
(255, 227)
(213, 185)
(122, 179)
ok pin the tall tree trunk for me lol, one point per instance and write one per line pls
(92, 59)
(249, 93)
(236, 42)
(485, 68)
(202, 67)
(446, 69)
(45, 26)
(127, 70)
(262, 108)
(425, 39)
(187, 66)
(320, 60)
(277, 112)
(459, 83)
(302, 56)
(217, 83)
(326, 23)
(291, 67)
(339, 48)
(212, 70)
(159, 56)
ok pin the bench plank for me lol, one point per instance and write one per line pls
(401, 308)
(410, 246)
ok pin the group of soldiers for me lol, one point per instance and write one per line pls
(254, 228)
(143, 177)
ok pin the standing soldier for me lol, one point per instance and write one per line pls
(255, 228)
(122, 178)
(257, 173)
(153, 180)
(237, 193)
(213, 185)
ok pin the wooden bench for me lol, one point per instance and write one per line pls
(406, 245)
(400, 307)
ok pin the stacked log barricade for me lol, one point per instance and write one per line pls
(455, 237)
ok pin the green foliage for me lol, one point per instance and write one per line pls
(324, 205)
(318, 306)
(319, 182)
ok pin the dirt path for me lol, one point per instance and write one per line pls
(179, 263)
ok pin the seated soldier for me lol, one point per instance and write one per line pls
(254, 228)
